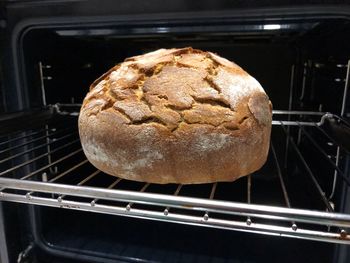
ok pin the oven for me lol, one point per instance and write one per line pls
(56, 207)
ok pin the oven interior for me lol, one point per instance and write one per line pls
(302, 65)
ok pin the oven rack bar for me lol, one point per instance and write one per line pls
(187, 203)
(37, 158)
(274, 230)
(21, 136)
(29, 188)
(309, 172)
(32, 141)
(58, 107)
(35, 148)
(333, 164)
(72, 109)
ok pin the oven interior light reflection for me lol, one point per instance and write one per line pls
(272, 27)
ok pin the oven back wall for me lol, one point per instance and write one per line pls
(75, 62)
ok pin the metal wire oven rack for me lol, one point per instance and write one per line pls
(46, 166)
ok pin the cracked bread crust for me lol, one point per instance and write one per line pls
(176, 116)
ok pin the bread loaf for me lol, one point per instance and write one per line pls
(176, 116)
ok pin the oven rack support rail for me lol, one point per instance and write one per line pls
(198, 204)
(326, 225)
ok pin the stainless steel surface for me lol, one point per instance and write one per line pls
(187, 203)
(186, 219)
(112, 198)
(306, 64)
(83, 181)
(309, 172)
(22, 256)
(42, 80)
(93, 202)
(58, 108)
(36, 158)
(143, 189)
(294, 123)
(50, 164)
(335, 175)
(42, 67)
(177, 191)
(295, 112)
(290, 107)
(30, 141)
(326, 157)
(283, 186)
(249, 186)
(346, 88)
(16, 138)
(33, 149)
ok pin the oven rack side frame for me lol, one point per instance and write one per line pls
(187, 203)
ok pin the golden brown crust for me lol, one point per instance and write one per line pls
(176, 116)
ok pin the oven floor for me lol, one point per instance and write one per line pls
(132, 240)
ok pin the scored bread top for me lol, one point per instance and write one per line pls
(175, 87)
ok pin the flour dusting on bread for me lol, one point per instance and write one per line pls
(176, 116)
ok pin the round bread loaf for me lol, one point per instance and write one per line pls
(176, 116)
